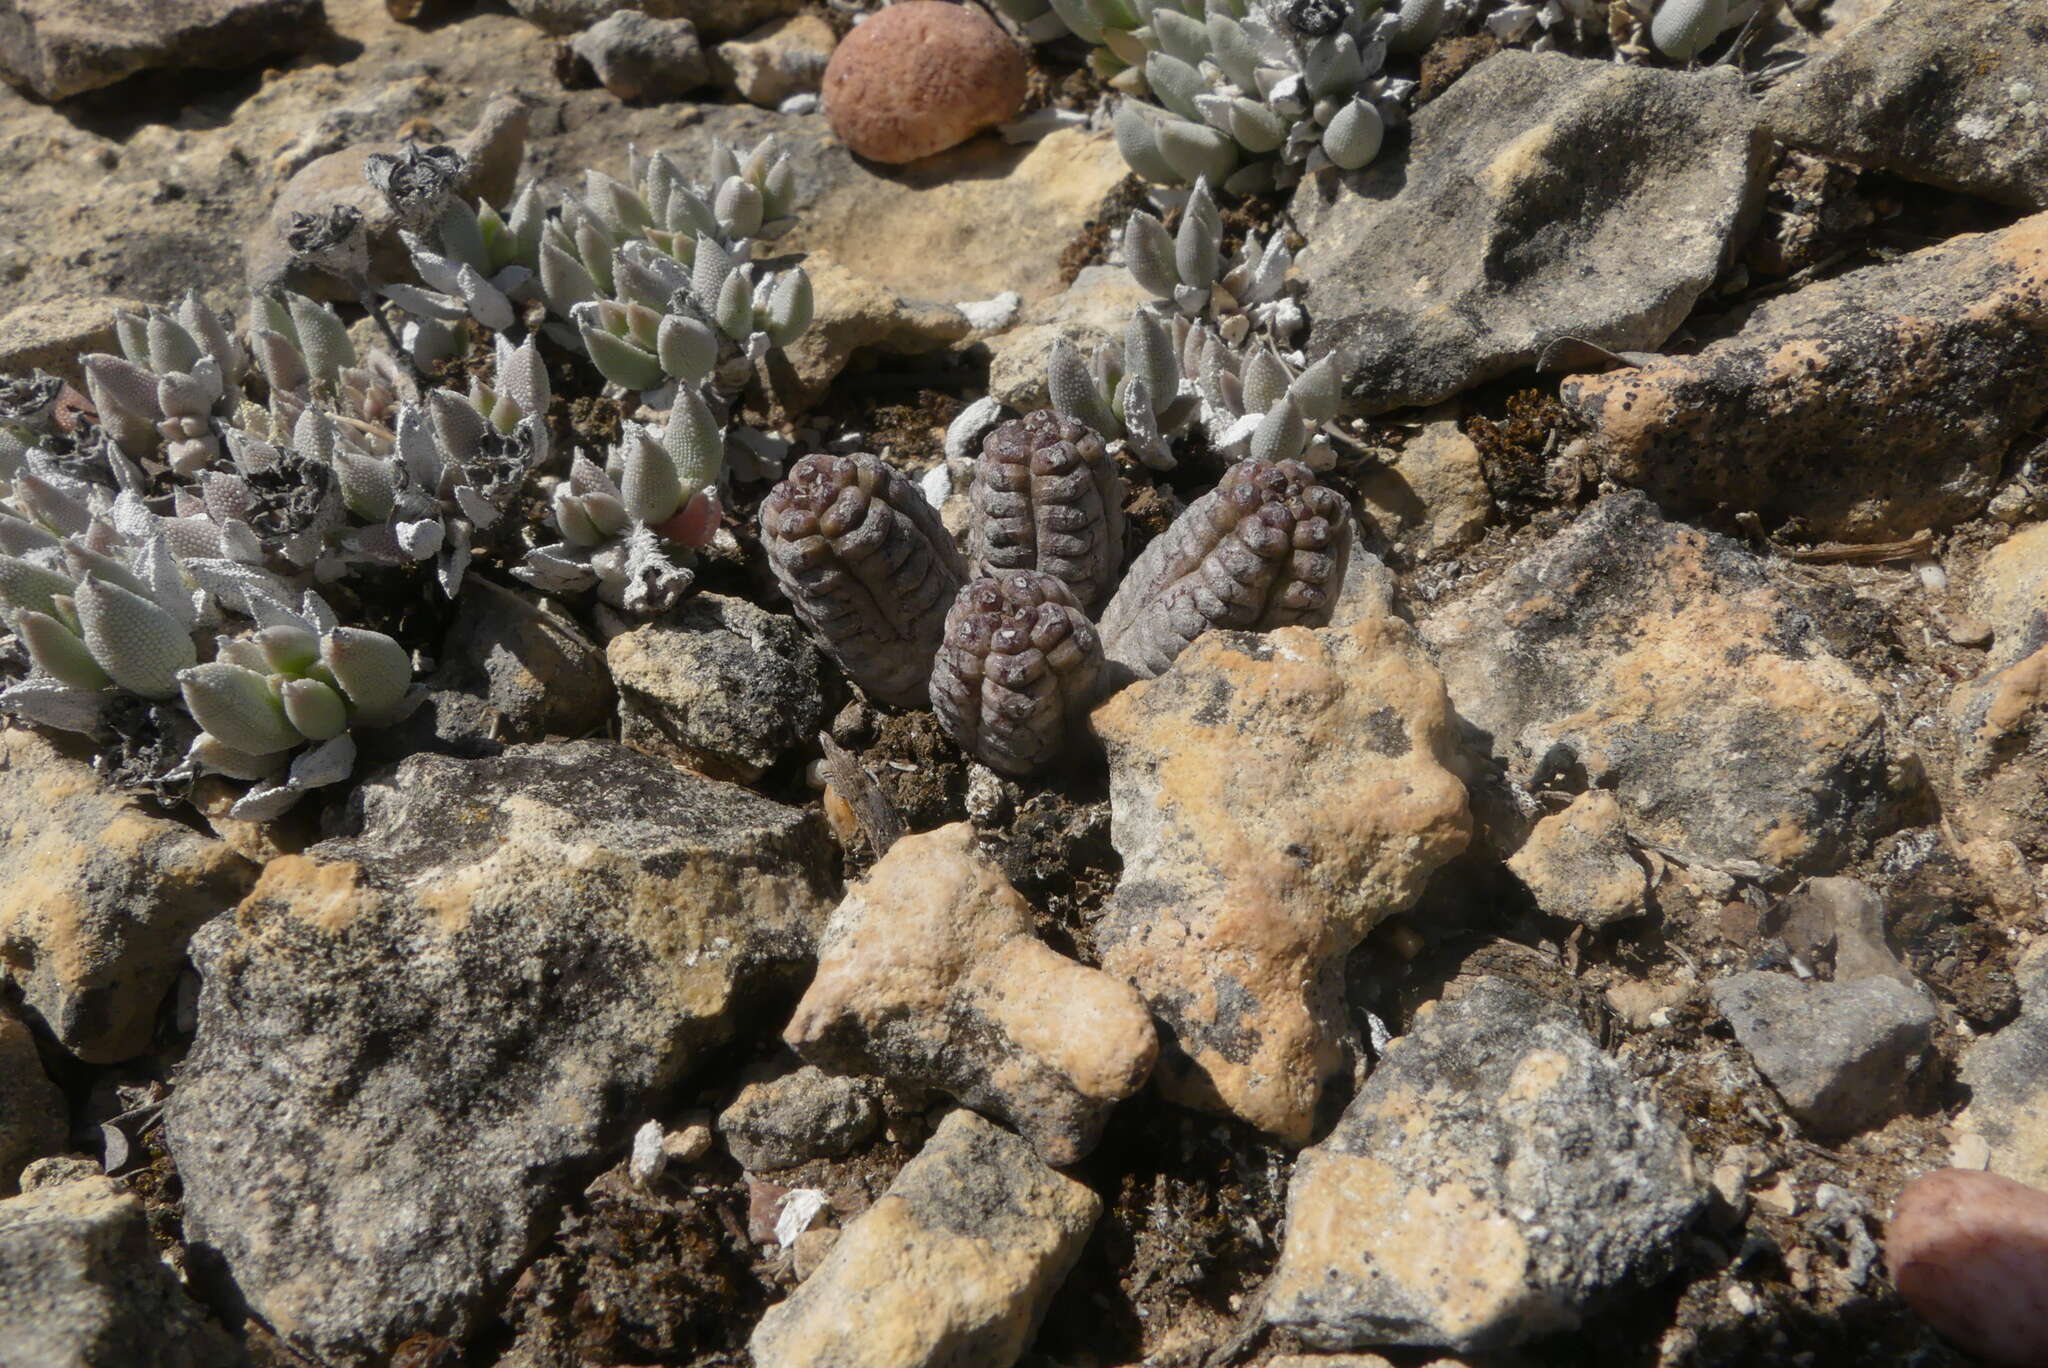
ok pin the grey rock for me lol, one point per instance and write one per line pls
(33, 1115)
(100, 898)
(528, 661)
(1838, 1053)
(1432, 497)
(2000, 718)
(412, 1036)
(713, 18)
(1091, 311)
(58, 48)
(638, 58)
(721, 685)
(1678, 669)
(1494, 1177)
(1871, 406)
(1837, 929)
(1578, 865)
(2007, 1075)
(954, 1264)
(82, 1286)
(1948, 92)
(1525, 211)
(803, 1114)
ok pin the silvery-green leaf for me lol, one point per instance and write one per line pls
(366, 485)
(1196, 254)
(289, 648)
(1196, 151)
(1134, 138)
(372, 669)
(57, 652)
(171, 348)
(790, 306)
(572, 521)
(739, 208)
(324, 764)
(1317, 391)
(462, 238)
(1256, 127)
(459, 430)
(231, 581)
(555, 570)
(1265, 381)
(1233, 51)
(265, 802)
(53, 703)
(1073, 391)
(1148, 255)
(163, 582)
(131, 333)
(1175, 83)
(215, 756)
(137, 643)
(322, 339)
(622, 210)
(317, 613)
(1281, 434)
(1129, 46)
(279, 359)
(594, 245)
(686, 348)
(425, 303)
(1682, 29)
(734, 310)
(1419, 23)
(619, 361)
(19, 537)
(420, 539)
(1179, 36)
(709, 270)
(480, 512)
(529, 215)
(1149, 356)
(49, 504)
(651, 488)
(1332, 66)
(695, 444)
(487, 303)
(1354, 136)
(25, 585)
(237, 707)
(564, 281)
(125, 396)
(1077, 18)
(315, 711)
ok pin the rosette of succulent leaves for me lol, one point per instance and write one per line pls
(1637, 30)
(1212, 346)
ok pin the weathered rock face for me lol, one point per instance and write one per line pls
(799, 1115)
(1949, 92)
(52, 335)
(718, 684)
(99, 900)
(2007, 1075)
(2001, 717)
(1578, 865)
(60, 47)
(1869, 406)
(929, 973)
(1494, 1176)
(33, 1115)
(474, 993)
(1434, 498)
(1520, 216)
(82, 1286)
(955, 1264)
(1839, 1053)
(528, 661)
(1091, 311)
(1273, 797)
(1672, 667)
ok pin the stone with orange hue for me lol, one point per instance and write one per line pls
(1870, 406)
(1969, 1252)
(412, 1035)
(929, 973)
(919, 77)
(1495, 1176)
(99, 897)
(2001, 716)
(1687, 675)
(1273, 796)
(1578, 865)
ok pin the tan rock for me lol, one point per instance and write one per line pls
(2001, 717)
(1091, 311)
(57, 48)
(1273, 797)
(919, 77)
(955, 1263)
(2007, 1075)
(100, 898)
(777, 60)
(854, 313)
(929, 973)
(51, 335)
(1434, 496)
(33, 1114)
(1578, 865)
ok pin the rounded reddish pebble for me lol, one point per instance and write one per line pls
(1969, 1252)
(920, 77)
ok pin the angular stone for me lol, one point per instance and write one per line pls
(955, 1264)
(2001, 716)
(1273, 797)
(82, 1286)
(855, 315)
(2007, 1075)
(476, 992)
(59, 48)
(1493, 1178)
(33, 1115)
(1838, 1053)
(1948, 92)
(929, 973)
(638, 58)
(1870, 406)
(1675, 668)
(1433, 497)
(527, 659)
(777, 60)
(1578, 865)
(720, 685)
(1505, 228)
(713, 18)
(1836, 927)
(99, 900)
(803, 1114)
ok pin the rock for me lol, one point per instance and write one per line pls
(492, 151)
(638, 58)
(1675, 668)
(1578, 865)
(1091, 311)
(1519, 218)
(1965, 1250)
(929, 973)
(2007, 1075)
(955, 1264)
(101, 898)
(1274, 797)
(919, 77)
(1494, 1177)
(1870, 406)
(60, 48)
(1433, 497)
(720, 685)
(1948, 92)
(1836, 928)
(34, 1119)
(803, 1114)
(480, 989)
(777, 60)
(57, 1169)
(82, 1286)
(52, 335)
(2001, 716)
(713, 18)
(1838, 1053)
(529, 662)
(855, 315)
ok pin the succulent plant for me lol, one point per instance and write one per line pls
(1048, 497)
(1682, 29)
(868, 566)
(1266, 548)
(1187, 273)
(177, 375)
(1129, 391)
(417, 182)
(1254, 405)
(478, 265)
(1018, 663)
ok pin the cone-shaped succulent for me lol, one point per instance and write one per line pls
(139, 645)
(1266, 548)
(1019, 663)
(1048, 497)
(868, 567)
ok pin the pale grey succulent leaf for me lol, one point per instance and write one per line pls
(53, 703)
(1136, 139)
